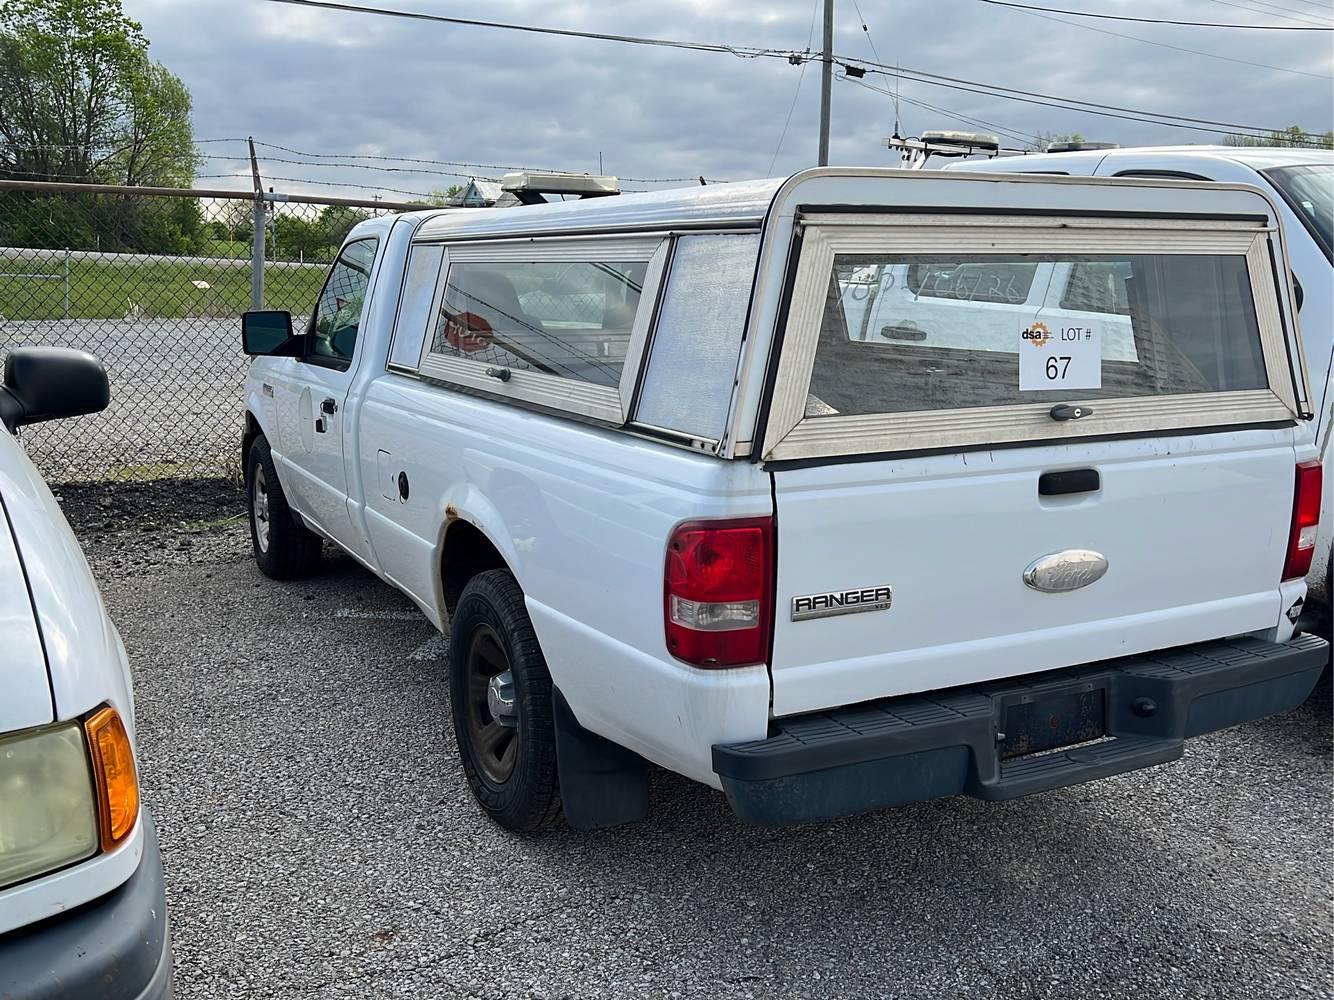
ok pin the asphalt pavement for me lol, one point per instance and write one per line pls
(320, 842)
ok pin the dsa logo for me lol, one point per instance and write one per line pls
(1037, 334)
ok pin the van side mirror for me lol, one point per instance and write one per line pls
(47, 383)
(1297, 290)
(268, 333)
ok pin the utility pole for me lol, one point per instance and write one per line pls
(826, 80)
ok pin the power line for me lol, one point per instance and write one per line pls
(741, 51)
(1157, 20)
(1174, 48)
(787, 121)
(865, 30)
(810, 36)
(1073, 104)
(1268, 8)
(1013, 133)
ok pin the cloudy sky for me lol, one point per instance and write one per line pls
(328, 82)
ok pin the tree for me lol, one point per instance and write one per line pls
(337, 221)
(1293, 135)
(80, 100)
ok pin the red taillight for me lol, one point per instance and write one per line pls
(1305, 518)
(718, 591)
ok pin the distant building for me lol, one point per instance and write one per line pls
(483, 194)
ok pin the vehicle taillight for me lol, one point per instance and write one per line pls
(1305, 518)
(718, 591)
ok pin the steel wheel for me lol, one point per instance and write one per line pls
(259, 501)
(492, 724)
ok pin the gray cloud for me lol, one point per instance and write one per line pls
(330, 82)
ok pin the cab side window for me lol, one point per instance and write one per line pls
(337, 318)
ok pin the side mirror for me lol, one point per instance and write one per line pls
(268, 333)
(1297, 290)
(47, 383)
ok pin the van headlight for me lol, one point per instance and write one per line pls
(50, 814)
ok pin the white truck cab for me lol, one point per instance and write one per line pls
(1301, 184)
(681, 494)
(82, 908)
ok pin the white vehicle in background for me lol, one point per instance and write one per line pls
(1302, 183)
(677, 499)
(82, 909)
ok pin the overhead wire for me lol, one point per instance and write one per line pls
(1267, 8)
(1073, 104)
(1156, 20)
(1013, 133)
(740, 51)
(1175, 48)
(810, 37)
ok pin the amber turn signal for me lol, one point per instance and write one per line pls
(113, 772)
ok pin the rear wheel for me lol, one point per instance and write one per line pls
(284, 548)
(500, 695)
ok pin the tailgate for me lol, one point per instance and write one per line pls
(1003, 443)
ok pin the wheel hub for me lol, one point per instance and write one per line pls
(260, 506)
(500, 699)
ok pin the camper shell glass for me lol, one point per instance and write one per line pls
(915, 329)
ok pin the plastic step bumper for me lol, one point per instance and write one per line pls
(1004, 739)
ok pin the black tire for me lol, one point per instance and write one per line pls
(284, 548)
(515, 783)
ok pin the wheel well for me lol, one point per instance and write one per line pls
(252, 431)
(466, 553)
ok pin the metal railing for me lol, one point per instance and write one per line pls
(151, 281)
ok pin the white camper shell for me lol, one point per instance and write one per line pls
(812, 489)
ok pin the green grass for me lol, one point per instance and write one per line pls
(112, 289)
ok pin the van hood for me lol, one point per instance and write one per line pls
(60, 656)
(27, 700)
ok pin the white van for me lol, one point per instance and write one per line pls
(817, 490)
(82, 907)
(1301, 183)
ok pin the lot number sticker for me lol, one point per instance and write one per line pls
(1060, 356)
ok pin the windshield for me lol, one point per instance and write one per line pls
(1310, 192)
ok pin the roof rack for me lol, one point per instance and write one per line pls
(943, 142)
(530, 185)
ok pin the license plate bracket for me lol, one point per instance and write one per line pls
(1039, 721)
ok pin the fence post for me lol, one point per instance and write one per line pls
(257, 255)
(259, 233)
(67, 282)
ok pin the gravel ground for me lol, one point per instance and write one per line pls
(320, 841)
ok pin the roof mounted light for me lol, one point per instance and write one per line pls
(1080, 146)
(530, 185)
(966, 142)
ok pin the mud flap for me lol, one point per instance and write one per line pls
(602, 784)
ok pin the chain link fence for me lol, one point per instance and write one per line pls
(152, 281)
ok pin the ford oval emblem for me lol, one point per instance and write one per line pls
(1064, 571)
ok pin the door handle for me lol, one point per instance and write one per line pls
(329, 406)
(1051, 484)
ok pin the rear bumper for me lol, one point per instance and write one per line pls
(899, 750)
(114, 948)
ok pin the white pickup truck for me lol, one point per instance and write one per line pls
(676, 502)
